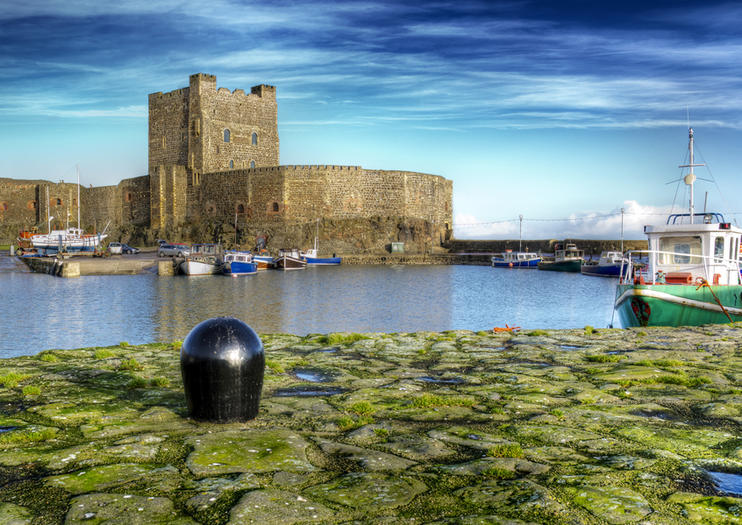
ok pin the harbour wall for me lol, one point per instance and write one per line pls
(590, 246)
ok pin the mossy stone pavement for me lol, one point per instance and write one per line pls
(563, 426)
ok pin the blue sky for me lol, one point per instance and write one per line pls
(552, 110)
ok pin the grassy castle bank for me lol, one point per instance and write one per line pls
(558, 426)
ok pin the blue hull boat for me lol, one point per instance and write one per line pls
(322, 261)
(511, 259)
(239, 263)
(608, 266)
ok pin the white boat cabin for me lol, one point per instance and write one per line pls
(230, 257)
(685, 252)
(567, 252)
(610, 258)
(519, 257)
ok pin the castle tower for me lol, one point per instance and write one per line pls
(208, 130)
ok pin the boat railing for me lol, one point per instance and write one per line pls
(644, 267)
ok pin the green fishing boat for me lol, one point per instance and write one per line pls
(689, 276)
(567, 258)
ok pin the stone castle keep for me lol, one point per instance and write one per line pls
(214, 164)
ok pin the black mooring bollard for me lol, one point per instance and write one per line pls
(222, 363)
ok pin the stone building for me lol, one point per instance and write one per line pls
(214, 174)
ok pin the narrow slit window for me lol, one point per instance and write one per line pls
(254, 139)
(226, 135)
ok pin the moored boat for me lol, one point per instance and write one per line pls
(511, 259)
(71, 240)
(289, 260)
(312, 258)
(237, 263)
(609, 265)
(567, 258)
(204, 259)
(692, 274)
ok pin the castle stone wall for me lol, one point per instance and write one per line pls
(135, 200)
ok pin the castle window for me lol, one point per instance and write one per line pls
(226, 135)
(254, 139)
(4, 206)
(163, 142)
(240, 208)
(231, 164)
(59, 202)
(275, 206)
(31, 205)
(128, 197)
(252, 163)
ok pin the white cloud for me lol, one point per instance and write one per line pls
(586, 225)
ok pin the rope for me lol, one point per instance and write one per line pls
(705, 283)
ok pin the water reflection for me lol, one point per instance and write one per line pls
(39, 312)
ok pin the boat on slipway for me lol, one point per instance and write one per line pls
(567, 258)
(289, 260)
(236, 263)
(203, 259)
(691, 275)
(609, 265)
(511, 259)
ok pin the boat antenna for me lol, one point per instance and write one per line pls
(690, 178)
(622, 212)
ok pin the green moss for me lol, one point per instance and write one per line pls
(603, 358)
(31, 390)
(123, 344)
(160, 382)
(506, 450)
(345, 423)
(130, 364)
(102, 353)
(362, 408)
(557, 413)
(428, 400)
(48, 357)
(275, 366)
(136, 382)
(589, 330)
(381, 432)
(11, 379)
(498, 473)
(28, 435)
(536, 333)
(177, 345)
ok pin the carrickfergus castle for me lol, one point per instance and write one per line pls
(214, 175)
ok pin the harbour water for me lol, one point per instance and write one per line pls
(39, 312)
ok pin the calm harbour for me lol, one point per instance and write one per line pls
(42, 312)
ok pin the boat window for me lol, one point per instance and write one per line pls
(682, 249)
(719, 249)
(731, 249)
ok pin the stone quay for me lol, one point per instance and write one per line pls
(547, 426)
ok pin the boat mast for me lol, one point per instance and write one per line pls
(77, 168)
(691, 177)
(520, 234)
(48, 220)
